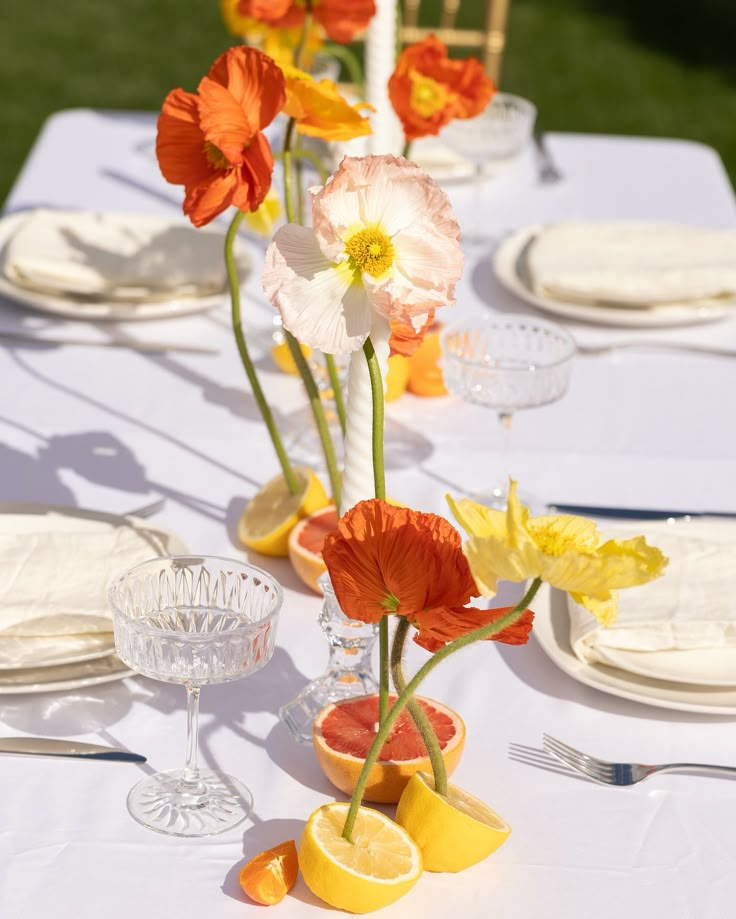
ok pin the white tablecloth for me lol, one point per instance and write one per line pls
(111, 429)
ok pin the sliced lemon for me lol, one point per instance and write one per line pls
(381, 864)
(453, 832)
(273, 512)
(283, 359)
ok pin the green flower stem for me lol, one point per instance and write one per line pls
(337, 391)
(232, 277)
(299, 50)
(407, 149)
(318, 410)
(374, 372)
(347, 57)
(384, 729)
(419, 717)
(379, 485)
(302, 153)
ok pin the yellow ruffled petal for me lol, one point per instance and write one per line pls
(477, 519)
(632, 561)
(604, 610)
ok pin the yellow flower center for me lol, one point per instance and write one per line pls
(215, 156)
(427, 95)
(558, 536)
(371, 250)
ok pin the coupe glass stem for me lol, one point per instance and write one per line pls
(190, 780)
(500, 489)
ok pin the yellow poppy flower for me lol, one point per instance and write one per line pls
(565, 551)
(320, 110)
(262, 221)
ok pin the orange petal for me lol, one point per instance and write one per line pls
(255, 82)
(224, 122)
(205, 201)
(180, 142)
(341, 19)
(268, 877)
(436, 627)
(254, 174)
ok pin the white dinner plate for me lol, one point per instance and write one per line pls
(45, 662)
(552, 631)
(508, 263)
(64, 676)
(94, 309)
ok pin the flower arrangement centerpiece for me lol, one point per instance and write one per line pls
(380, 256)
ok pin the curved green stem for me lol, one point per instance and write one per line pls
(263, 407)
(320, 419)
(336, 391)
(318, 409)
(419, 717)
(374, 372)
(349, 59)
(307, 25)
(384, 729)
(301, 153)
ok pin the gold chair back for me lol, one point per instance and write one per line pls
(487, 41)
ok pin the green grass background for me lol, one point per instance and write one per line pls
(615, 66)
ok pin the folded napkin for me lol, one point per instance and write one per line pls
(680, 627)
(632, 264)
(114, 257)
(56, 573)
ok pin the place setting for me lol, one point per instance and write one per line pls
(329, 636)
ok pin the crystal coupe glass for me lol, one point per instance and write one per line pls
(193, 620)
(507, 363)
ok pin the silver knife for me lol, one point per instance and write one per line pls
(46, 746)
(633, 513)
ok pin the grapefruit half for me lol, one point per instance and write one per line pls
(305, 545)
(343, 733)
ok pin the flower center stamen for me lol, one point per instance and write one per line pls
(215, 157)
(427, 95)
(371, 250)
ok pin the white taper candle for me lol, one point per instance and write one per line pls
(380, 60)
(358, 479)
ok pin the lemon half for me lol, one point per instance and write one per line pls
(453, 832)
(381, 864)
(273, 512)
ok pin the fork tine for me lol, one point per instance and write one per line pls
(589, 765)
(596, 769)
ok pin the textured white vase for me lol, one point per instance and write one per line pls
(380, 61)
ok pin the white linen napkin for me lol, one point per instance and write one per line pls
(640, 265)
(680, 627)
(56, 571)
(118, 257)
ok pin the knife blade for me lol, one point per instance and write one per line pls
(47, 746)
(633, 513)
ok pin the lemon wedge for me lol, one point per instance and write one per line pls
(453, 832)
(381, 864)
(273, 512)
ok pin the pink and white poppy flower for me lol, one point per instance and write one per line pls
(384, 240)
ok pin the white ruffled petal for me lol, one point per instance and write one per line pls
(320, 303)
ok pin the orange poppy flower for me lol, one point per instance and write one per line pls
(405, 339)
(428, 89)
(341, 19)
(212, 143)
(384, 559)
(320, 110)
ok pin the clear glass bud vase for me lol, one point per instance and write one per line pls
(349, 670)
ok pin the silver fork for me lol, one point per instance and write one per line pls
(600, 770)
(548, 170)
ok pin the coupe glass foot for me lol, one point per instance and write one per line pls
(166, 803)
